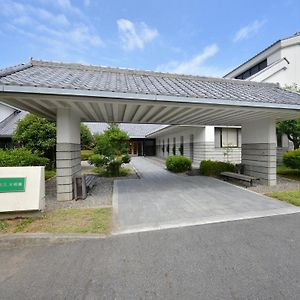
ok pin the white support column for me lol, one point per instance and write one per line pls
(259, 150)
(68, 162)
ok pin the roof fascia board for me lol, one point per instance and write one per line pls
(142, 97)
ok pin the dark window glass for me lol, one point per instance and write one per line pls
(279, 140)
(255, 69)
(192, 147)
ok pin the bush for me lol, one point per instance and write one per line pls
(178, 164)
(112, 166)
(111, 149)
(126, 159)
(214, 168)
(85, 154)
(98, 160)
(21, 157)
(292, 159)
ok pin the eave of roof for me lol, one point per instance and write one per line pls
(143, 97)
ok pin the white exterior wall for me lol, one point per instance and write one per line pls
(177, 133)
(274, 57)
(291, 74)
(204, 144)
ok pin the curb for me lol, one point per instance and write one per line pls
(38, 239)
(137, 173)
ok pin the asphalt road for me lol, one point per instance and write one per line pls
(249, 259)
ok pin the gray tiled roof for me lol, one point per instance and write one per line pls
(133, 130)
(8, 126)
(84, 77)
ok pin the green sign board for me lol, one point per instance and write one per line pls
(12, 184)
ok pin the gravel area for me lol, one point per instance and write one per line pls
(99, 196)
(283, 184)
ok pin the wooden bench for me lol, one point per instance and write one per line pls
(83, 184)
(241, 177)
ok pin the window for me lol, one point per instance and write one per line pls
(181, 148)
(168, 146)
(255, 69)
(192, 147)
(279, 140)
(174, 146)
(227, 137)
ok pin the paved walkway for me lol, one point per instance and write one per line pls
(161, 199)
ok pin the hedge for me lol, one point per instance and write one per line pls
(178, 164)
(214, 168)
(292, 159)
(20, 157)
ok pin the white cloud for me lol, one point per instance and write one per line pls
(135, 36)
(195, 65)
(249, 30)
(54, 33)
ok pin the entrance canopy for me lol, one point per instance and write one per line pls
(102, 94)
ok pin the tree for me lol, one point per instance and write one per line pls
(86, 137)
(111, 150)
(291, 127)
(36, 134)
(39, 134)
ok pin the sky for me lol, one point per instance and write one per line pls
(191, 37)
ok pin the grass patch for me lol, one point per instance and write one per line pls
(86, 220)
(290, 197)
(49, 174)
(102, 172)
(3, 225)
(288, 172)
(85, 154)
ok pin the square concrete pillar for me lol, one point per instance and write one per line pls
(68, 162)
(259, 150)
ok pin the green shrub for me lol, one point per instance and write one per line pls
(85, 154)
(102, 172)
(292, 159)
(112, 166)
(178, 164)
(214, 168)
(98, 160)
(126, 159)
(21, 157)
(49, 174)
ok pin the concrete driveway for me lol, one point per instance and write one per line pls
(161, 199)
